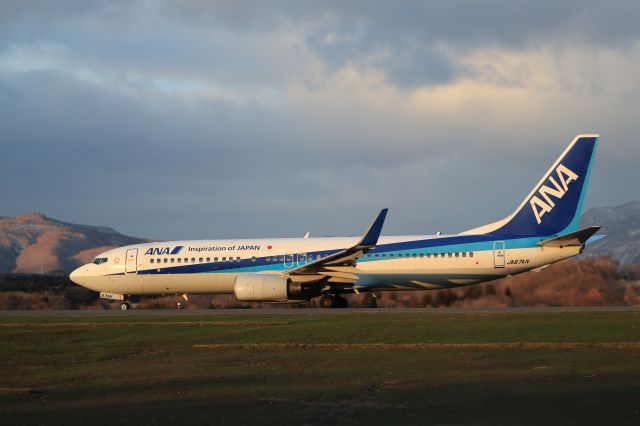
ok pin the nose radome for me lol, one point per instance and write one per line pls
(76, 275)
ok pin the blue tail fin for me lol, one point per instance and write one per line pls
(555, 203)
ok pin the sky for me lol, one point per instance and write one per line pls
(220, 119)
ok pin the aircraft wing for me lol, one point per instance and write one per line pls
(340, 267)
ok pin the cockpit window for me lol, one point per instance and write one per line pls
(99, 260)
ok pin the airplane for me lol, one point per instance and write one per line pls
(541, 231)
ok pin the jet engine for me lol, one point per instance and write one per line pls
(267, 288)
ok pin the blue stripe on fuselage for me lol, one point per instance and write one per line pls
(455, 243)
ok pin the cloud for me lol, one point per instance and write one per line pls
(220, 119)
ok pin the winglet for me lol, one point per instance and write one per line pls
(370, 238)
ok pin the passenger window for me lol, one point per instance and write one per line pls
(186, 260)
(442, 254)
(384, 255)
(450, 254)
(253, 259)
(166, 260)
(421, 255)
(471, 254)
(391, 255)
(224, 259)
(200, 260)
(238, 258)
(464, 254)
(179, 260)
(376, 255)
(208, 259)
(172, 260)
(193, 260)
(457, 254)
(151, 260)
(215, 259)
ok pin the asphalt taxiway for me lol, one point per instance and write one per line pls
(307, 311)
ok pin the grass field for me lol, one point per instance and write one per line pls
(473, 368)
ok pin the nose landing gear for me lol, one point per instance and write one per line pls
(124, 303)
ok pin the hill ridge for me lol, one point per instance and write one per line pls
(35, 243)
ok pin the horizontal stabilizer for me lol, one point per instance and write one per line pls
(595, 238)
(576, 238)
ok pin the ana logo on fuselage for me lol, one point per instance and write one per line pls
(540, 207)
(154, 251)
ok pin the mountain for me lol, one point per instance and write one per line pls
(35, 243)
(621, 225)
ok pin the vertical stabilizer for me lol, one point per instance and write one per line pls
(555, 203)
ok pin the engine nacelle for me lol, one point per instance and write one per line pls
(265, 288)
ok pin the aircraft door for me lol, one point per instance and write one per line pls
(131, 266)
(288, 260)
(498, 254)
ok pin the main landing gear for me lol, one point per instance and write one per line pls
(124, 306)
(331, 301)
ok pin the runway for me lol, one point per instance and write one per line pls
(315, 311)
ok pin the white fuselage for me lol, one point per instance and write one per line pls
(396, 263)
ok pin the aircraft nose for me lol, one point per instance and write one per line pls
(77, 275)
(73, 276)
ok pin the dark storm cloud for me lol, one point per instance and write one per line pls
(343, 32)
(470, 22)
(408, 40)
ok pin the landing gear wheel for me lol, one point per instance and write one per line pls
(371, 301)
(328, 301)
(341, 302)
(124, 306)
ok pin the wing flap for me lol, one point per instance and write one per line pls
(340, 280)
(345, 275)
